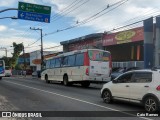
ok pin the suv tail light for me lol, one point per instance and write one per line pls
(158, 88)
(87, 71)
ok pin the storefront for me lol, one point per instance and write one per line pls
(85, 42)
(35, 58)
(125, 46)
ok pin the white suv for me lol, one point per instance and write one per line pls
(140, 86)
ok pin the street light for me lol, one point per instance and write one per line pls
(8, 9)
(9, 17)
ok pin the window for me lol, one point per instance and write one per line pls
(7, 68)
(65, 61)
(52, 63)
(126, 78)
(71, 60)
(79, 59)
(96, 55)
(48, 64)
(142, 77)
(58, 62)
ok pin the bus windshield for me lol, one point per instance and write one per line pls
(97, 55)
(7, 68)
(1, 63)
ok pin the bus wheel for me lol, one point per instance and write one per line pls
(85, 84)
(65, 80)
(0, 78)
(46, 78)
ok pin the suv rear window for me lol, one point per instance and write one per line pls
(142, 77)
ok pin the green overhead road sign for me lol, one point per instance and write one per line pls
(34, 12)
(28, 7)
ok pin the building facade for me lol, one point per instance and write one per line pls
(35, 58)
(126, 47)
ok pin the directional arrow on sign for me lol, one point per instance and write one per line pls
(22, 6)
(22, 15)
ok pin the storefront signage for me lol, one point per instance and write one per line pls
(123, 37)
(81, 45)
(36, 61)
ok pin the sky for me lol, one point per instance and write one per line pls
(87, 17)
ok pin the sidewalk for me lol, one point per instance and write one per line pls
(27, 76)
(22, 76)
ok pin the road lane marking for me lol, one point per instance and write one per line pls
(76, 99)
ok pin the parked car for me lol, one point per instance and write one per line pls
(29, 72)
(8, 71)
(140, 86)
(132, 68)
(117, 72)
(120, 70)
(36, 74)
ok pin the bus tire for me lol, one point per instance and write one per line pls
(65, 80)
(46, 78)
(0, 78)
(85, 84)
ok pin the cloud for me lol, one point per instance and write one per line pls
(7, 43)
(21, 36)
(3, 28)
(130, 12)
(7, 3)
(117, 17)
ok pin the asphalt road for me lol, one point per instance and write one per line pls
(73, 102)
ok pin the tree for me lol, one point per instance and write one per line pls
(18, 48)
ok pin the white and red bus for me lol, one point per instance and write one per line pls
(80, 66)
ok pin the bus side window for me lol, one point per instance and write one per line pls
(52, 63)
(64, 61)
(79, 59)
(58, 62)
(71, 60)
(47, 64)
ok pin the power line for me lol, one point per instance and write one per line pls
(76, 7)
(52, 47)
(95, 17)
(108, 6)
(126, 25)
(34, 42)
(73, 4)
(91, 17)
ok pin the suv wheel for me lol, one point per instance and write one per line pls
(107, 97)
(151, 104)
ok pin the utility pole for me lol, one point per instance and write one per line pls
(24, 58)
(5, 50)
(42, 59)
